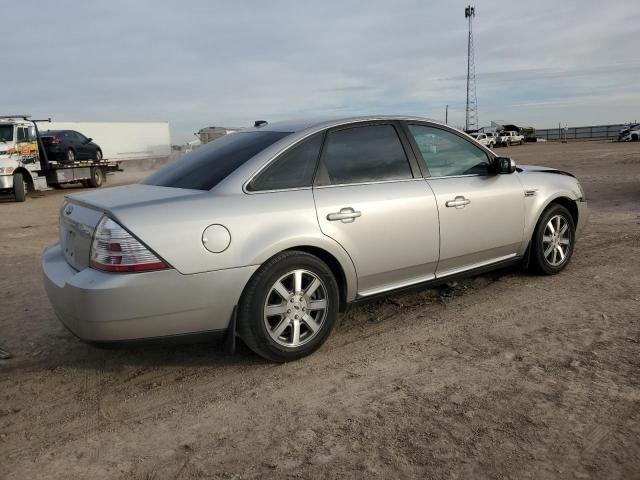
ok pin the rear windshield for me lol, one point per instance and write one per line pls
(206, 166)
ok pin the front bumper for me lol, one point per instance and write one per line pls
(101, 307)
(583, 216)
(6, 182)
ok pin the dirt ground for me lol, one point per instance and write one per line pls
(506, 375)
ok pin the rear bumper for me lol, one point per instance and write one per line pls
(103, 307)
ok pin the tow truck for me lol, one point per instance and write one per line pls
(25, 167)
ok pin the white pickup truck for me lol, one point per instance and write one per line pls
(629, 134)
(507, 138)
(488, 140)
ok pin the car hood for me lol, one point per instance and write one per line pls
(535, 168)
(130, 196)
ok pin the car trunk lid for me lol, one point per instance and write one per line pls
(81, 213)
(76, 227)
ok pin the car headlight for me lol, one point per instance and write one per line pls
(6, 169)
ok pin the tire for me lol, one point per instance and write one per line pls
(99, 155)
(19, 187)
(634, 137)
(273, 336)
(71, 156)
(544, 239)
(97, 177)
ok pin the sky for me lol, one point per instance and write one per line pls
(199, 63)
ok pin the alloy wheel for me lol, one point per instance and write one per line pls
(556, 240)
(295, 309)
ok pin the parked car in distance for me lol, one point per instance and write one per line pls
(511, 137)
(270, 232)
(484, 139)
(629, 134)
(67, 146)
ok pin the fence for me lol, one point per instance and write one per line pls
(594, 132)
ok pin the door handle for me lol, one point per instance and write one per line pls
(345, 215)
(458, 202)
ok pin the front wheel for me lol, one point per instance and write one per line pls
(19, 187)
(553, 240)
(99, 155)
(289, 307)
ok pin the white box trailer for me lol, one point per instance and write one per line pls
(122, 141)
(25, 165)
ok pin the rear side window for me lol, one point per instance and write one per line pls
(363, 154)
(293, 169)
(205, 167)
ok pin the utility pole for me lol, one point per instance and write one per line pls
(471, 122)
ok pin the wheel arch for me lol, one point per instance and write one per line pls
(568, 203)
(336, 259)
(26, 174)
(334, 265)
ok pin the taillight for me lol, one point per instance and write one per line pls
(115, 250)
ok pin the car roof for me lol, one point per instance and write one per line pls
(54, 132)
(298, 125)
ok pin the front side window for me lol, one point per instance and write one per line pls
(80, 137)
(446, 154)
(363, 154)
(6, 133)
(207, 166)
(22, 134)
(293, 169)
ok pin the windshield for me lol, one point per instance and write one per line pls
(6, 133)
(205, 167)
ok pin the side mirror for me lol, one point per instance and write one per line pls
(88, 140)
(504, 165)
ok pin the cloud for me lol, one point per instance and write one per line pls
(197, 62)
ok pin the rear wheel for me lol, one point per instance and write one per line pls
(19, 187)
(99, 155)
(634, 137)
(71, 156)
(553, 240)
(97, 177)
(289, 307)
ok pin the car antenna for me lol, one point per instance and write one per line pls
(260, 123)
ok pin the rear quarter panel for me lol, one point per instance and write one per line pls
(261, 225)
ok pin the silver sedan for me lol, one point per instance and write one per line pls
(268, 233)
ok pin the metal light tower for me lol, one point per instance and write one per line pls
(471, 122)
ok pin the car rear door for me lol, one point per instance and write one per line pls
(371, 199)
(481, 213)
(82, 146)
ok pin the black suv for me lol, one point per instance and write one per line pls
(66, 146)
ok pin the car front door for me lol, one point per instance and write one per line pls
(370, 198)
(481, 213)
